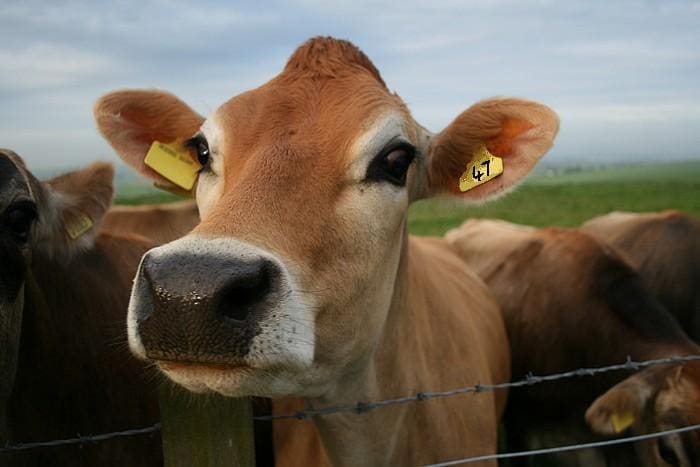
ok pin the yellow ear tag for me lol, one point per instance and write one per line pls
(78, 225)
(174, 164)
(483, 167)
(621, 421)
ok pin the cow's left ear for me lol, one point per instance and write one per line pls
(73, 208)
(518, 131)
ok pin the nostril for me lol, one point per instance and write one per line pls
(245, 291)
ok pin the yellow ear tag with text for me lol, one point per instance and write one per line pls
(78, 225)
(173, 163)
(483, 167)
(621, 421)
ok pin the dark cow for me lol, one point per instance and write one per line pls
(665, 248)
(301, 279)
(69, 289)
(570, 301)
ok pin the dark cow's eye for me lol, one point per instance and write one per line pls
(667, 453)
(19, 219)
(199, 144)
(392, 164)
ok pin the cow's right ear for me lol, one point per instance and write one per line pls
(131, 120)
(623, 405)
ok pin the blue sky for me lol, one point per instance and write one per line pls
(624, 76)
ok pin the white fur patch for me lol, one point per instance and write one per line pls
(381, 131)
(210, 185)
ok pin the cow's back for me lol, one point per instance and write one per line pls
(76, 375)
(160, 223)
(665, 248)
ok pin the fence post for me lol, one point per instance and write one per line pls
(205, 430)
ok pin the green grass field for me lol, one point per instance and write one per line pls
(569, 199)
(562, 200)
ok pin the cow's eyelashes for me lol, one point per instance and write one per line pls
(19, 219)
(392, 163)
(200, 146)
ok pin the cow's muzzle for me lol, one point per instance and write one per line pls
(200, 305)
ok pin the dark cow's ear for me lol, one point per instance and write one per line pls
(131, 120)
(72, 210)
(519, 132)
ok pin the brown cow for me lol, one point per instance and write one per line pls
(301, 278)
(665, 248)
(570, 301)
(160, 223)
(70, 288)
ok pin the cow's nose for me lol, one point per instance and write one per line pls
(202, 307)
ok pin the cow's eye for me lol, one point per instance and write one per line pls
(392, 164)
(199, 144)
(19, 219)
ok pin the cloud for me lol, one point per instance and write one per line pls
(619, 71)
(48, 65)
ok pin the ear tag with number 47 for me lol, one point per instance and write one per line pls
(176, 165)
(483, 167)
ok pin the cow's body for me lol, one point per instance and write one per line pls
(665, 248)
(569, 301)
(160, 223)
(74, 375)
(301, 279)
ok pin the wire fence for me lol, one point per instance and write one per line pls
(571, 447)
(363, 407)
(92, 439)
(528, 380)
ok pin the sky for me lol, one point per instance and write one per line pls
(624, 76)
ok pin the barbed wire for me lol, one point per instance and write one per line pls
(81, 439)
(363, 407)
(528, 380)
(570, 447)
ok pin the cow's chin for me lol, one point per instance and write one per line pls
(233, 381)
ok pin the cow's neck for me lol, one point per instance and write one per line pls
(348, 439)
(404, 363)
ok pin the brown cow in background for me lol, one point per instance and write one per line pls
(160, 223)
(569, 301)
(665, 248)
(69, 288)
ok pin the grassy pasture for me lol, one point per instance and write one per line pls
(563, 200)
(567, 200)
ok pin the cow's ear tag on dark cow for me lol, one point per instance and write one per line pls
(175, 164)
(78, 225)
(621, 421)
(483, 167)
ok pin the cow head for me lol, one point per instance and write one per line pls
(285, 285)
(656, 399)
(47, 219)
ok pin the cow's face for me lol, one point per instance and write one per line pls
(18, 213)
(285, 285)
(656, 399)
(36, 219)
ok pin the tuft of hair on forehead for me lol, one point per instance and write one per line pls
(327, 57)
